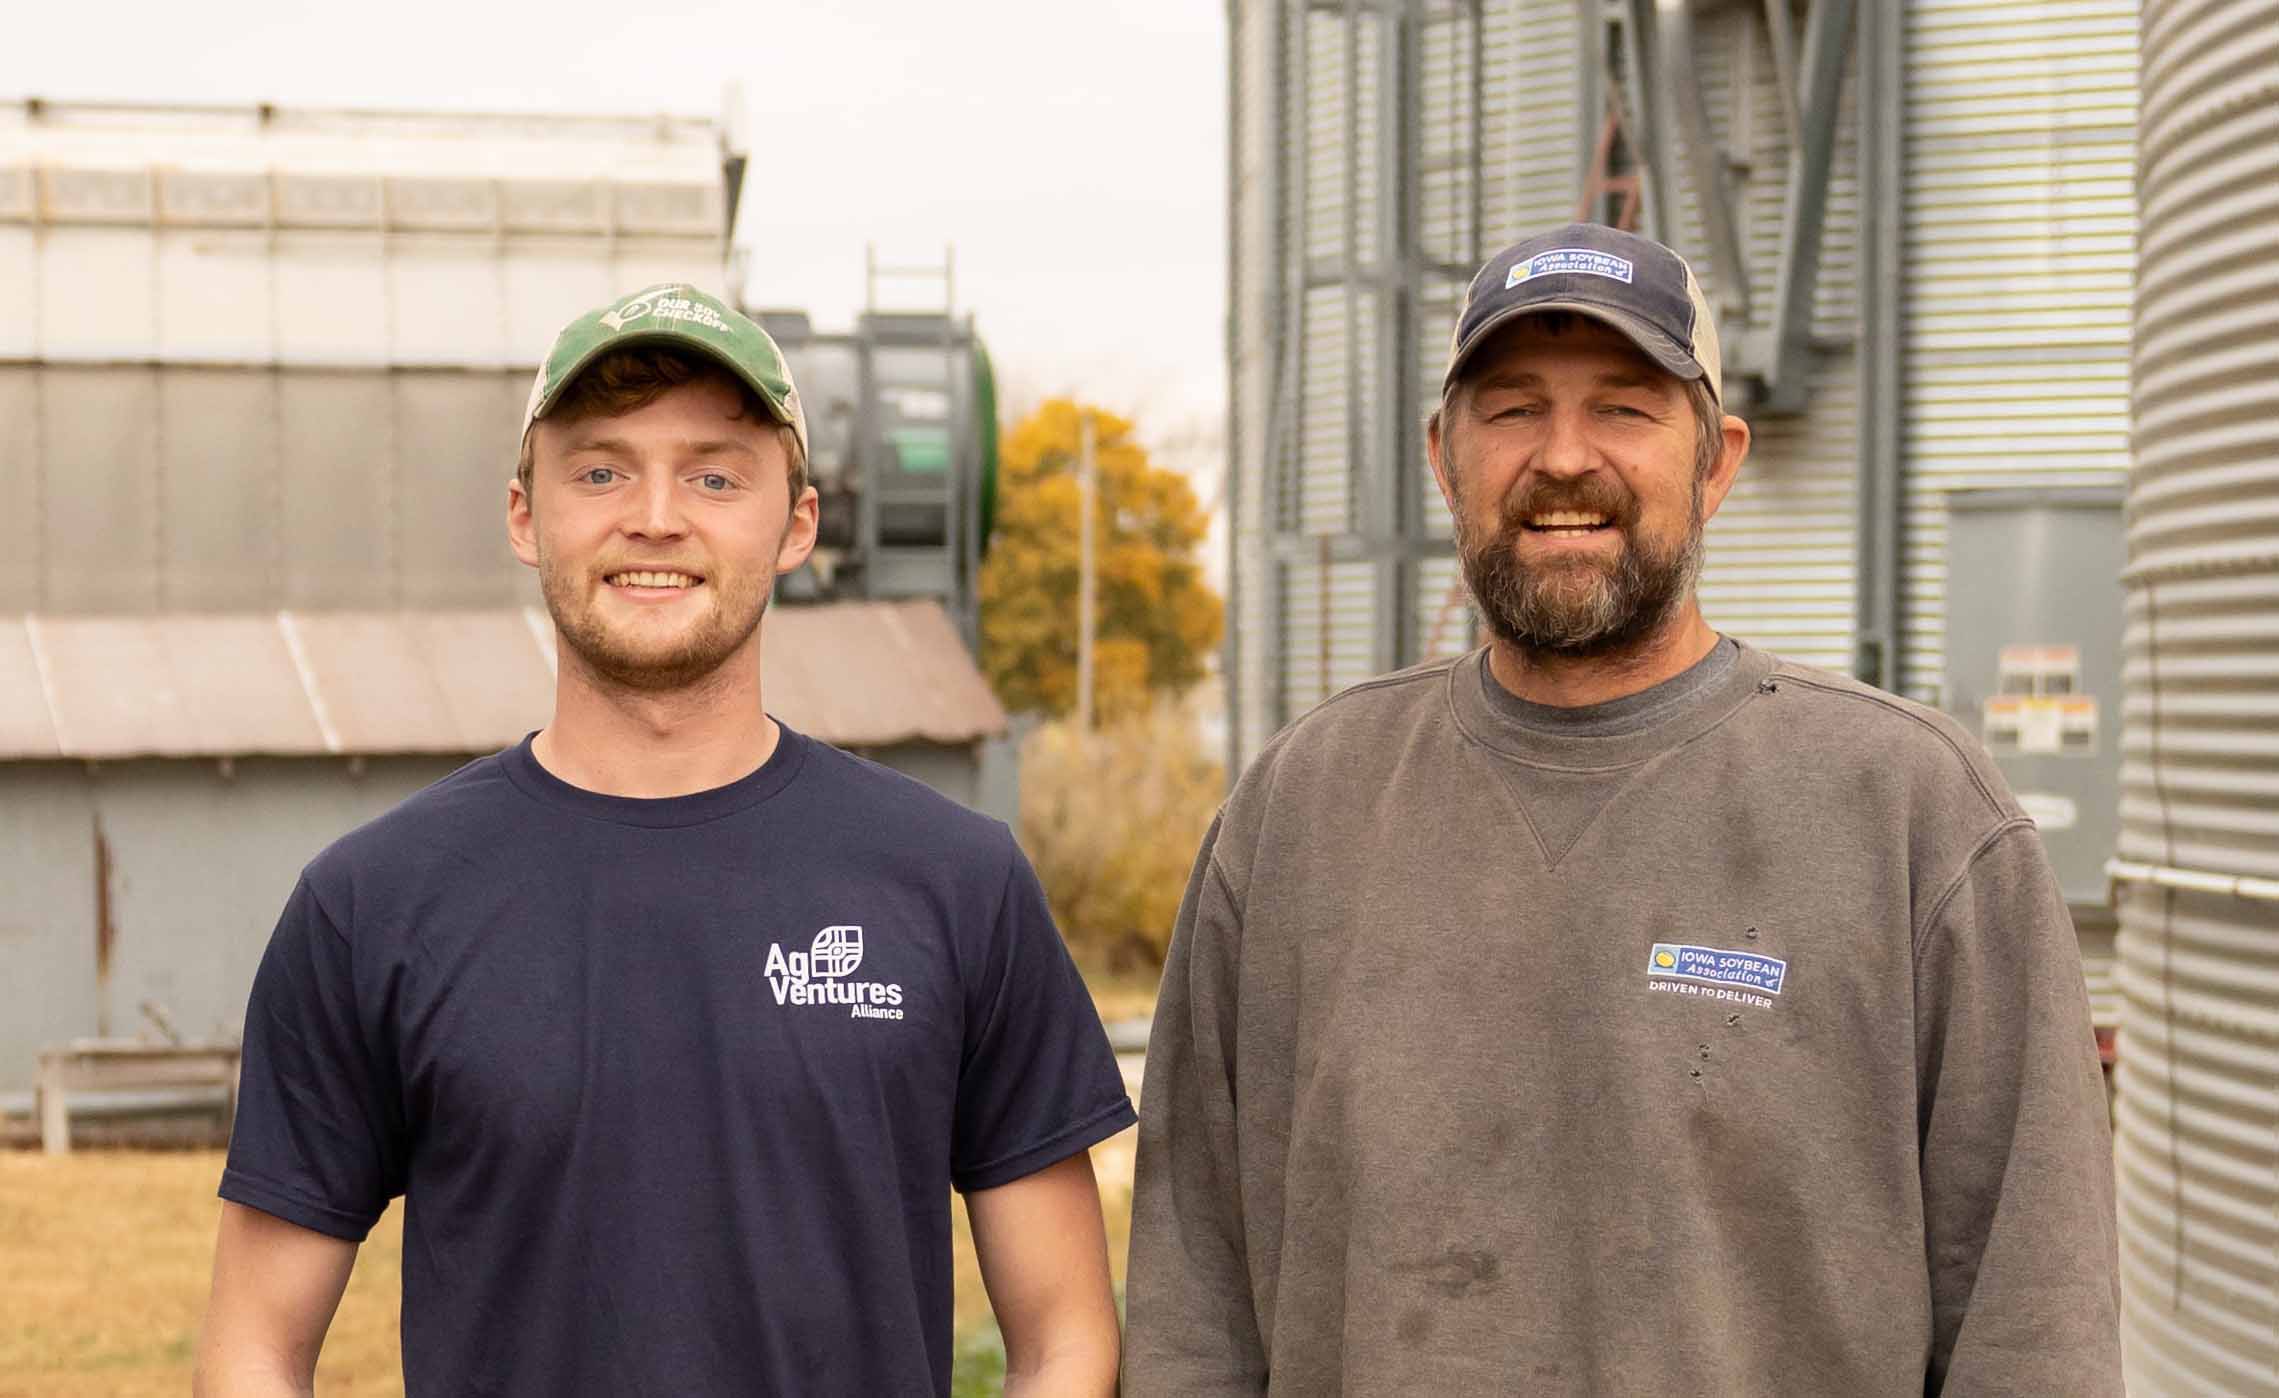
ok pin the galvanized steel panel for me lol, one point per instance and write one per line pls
(199, 860)
(215, 297)
(332, 299)
(22, 483)
(446, 303)
(160, 685)
(873, 674)
(1446, 622)
(100, 518)
(110, 684)
(220, 539)
(456, 444)
(1330, 625)
(2199, 1123)
(47, 920)
(446, 681)
(94, 295)
(19, 289)
(27, 720)
(237, 684)
(1780, 558)
(1534, 125)
(337, 482)
(1258, 154)
(496, 683)
(383, 692)
(2018, 248)
(338, 238)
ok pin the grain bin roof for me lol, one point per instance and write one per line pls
(864, 674)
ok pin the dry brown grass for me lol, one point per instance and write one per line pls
(104, 1269)
(107, 1262)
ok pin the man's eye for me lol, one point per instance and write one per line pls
(714, 481)
(598, 475)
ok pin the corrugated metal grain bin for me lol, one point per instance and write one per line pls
(2199, 862)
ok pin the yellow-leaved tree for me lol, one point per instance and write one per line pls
(1157, 618)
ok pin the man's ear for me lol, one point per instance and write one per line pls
(521, 524)
(1732, 450)
(799, 532)
(1436, 451)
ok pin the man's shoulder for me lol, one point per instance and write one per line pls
(1361, 709)
(895, 810)
(1837, 717)
(1346, 743)
(439, 820)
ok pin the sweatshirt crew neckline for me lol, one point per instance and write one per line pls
(1646, 724)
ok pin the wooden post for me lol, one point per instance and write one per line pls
(55, 1116)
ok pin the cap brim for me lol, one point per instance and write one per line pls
(1656, 345)
(702, 346)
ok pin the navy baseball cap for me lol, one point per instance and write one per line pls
(1632, 283)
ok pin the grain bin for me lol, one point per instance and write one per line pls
(2198, 870)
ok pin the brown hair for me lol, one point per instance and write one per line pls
(628, 380)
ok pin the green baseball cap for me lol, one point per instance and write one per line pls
(671, 313)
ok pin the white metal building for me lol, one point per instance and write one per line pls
(260, 374)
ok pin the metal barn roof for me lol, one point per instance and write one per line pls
(864, 675)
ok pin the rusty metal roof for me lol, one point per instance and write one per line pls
(859, 674)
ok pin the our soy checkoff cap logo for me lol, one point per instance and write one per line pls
(1586, 262)
(669, 302)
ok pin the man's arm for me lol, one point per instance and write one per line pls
(1193, 1319)
(1044, 1258)
(276, 1285)
(2017, 1155)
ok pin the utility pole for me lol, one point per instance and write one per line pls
(1087, 485)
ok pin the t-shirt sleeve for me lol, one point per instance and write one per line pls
(1037, 1082)
(319, 1138)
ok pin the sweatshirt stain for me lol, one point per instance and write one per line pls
(1456, 1273)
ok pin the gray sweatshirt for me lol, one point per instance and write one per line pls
(1729, 1039)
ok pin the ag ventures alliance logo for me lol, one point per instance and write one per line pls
(818, 976)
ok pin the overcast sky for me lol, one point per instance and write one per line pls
(1073, 151)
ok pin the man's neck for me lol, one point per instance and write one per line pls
(1570, 682)
(620, 742)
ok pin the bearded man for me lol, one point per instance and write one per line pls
(1617, 1009)
(673, 1027)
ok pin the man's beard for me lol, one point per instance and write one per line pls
(620, 659)
(1577, 608)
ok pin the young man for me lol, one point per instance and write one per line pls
(1617, 1009)
(674, 1028)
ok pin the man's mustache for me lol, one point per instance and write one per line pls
(1583, 494)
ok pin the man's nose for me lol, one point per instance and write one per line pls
(1566, 444)
(655, 511)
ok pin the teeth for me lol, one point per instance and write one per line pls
(1566, 519)
(647, 579)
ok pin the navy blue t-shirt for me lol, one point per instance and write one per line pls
(675, 1090)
